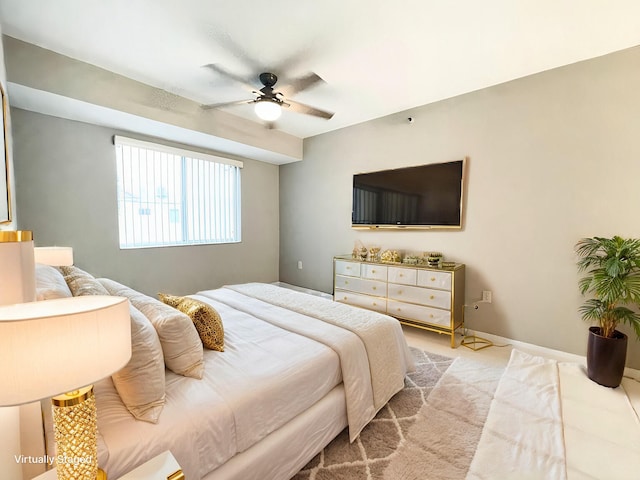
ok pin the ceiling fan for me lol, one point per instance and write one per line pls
(269, 103)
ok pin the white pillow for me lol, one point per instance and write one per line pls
(50, 284)
(181, 344)
(141, 383)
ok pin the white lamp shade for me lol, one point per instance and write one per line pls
(267, 110)
(17, 267)
(56, 346)
(54, 256)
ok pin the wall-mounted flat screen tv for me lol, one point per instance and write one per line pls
(426, 196)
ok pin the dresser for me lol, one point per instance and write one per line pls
(417, 295)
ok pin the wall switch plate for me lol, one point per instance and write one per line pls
(299, 264)
(486, 296)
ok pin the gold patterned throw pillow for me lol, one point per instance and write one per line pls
(205, 318)
(81, 283)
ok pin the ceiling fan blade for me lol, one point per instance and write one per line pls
(225, 40)
(302, 83)
(307, 110)
(226, 73)
(225, 104)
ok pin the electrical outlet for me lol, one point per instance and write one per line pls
(486, 296)
(299, 264)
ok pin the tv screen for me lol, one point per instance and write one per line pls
(426, 196)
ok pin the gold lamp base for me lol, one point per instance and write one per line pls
(75, 430)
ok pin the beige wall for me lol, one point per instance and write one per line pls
(552, 158)
(66, 194)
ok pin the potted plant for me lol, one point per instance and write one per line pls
(612, 278)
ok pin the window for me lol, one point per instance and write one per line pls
(168, 196)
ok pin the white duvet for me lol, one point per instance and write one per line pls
(374, 356)
(277, 363)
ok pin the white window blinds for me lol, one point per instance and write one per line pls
(169, 196)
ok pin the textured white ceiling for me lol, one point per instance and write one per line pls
(377, 57)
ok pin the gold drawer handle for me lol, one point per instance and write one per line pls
(373, 271)
(399, 292)
(344, 298)
(432, 297)
(431, 315)
(375, 288)
(402, 274)
(375, 304)
(399, 309)
(346, 282)
(433, 279)
(348, 268)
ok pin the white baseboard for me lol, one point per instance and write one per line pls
(544, 351)
(537, 349)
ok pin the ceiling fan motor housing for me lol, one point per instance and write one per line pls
(268, 79)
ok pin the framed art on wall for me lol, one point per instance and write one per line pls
(5, 195)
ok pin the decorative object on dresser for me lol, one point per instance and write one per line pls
(612, 277)
(390, 256)
(360, 252)
(417, 295)
(434, 259)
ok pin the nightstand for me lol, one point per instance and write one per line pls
(163, 466)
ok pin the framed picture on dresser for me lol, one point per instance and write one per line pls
(5, 195)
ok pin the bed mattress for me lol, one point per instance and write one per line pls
(250, 390)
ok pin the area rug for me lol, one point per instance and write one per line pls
(428, 431)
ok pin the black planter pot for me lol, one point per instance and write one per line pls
(606, 357)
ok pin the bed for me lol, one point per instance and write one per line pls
(296, 370)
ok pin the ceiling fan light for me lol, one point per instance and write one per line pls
(268, 110)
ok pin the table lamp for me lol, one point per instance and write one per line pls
(54, 256)
(17, 285)
(17, 268)
(58, 348)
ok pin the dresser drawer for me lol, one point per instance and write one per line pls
(433, 316)
(359, 300)
(422, 296)
(374, 272)
(405, 276)
(351, 269)
(362, 285)
(429, 278)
